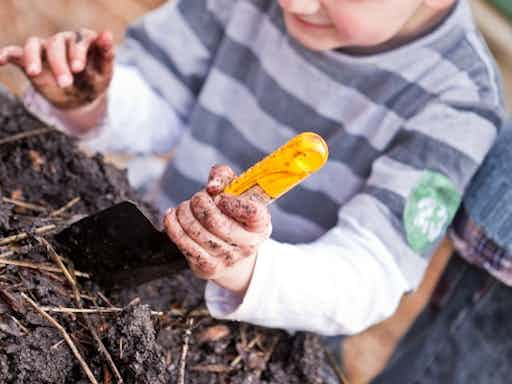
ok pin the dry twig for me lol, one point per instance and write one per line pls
(57, 344)
(10, 300)
(64, 334)
(23, 235)
(92, 310)
(6, 254)
(42, 267)
(57, 260)
(251, 344)
(104, 298)
(211, 368)
(24, 135)
(82, 310)
(24, 204)
(65, 207)
(85, 297)
(201, 312)
(184, 350)
(21, 326)
(72, 281)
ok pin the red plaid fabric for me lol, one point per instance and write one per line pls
(473, 244)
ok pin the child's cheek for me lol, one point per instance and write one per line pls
(358, 30)
(350, 29)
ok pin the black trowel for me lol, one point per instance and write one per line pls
(121, 248)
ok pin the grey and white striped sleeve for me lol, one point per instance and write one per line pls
(160, 69)
(415, 187)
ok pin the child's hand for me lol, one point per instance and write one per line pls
(70, 69)
(219, 234)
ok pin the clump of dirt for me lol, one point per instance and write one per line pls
(133, 339)
(36, 357)
(45, 183)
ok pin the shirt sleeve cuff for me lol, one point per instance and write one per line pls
(340, 284)
(224, 304)
(38, 106)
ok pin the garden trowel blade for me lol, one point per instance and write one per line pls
(121, 248)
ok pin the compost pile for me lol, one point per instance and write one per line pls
(159, 332)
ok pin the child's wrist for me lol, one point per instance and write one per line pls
(81, 121)
(84, 120)
(238, 277)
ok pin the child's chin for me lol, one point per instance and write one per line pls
(316, 41)
(316, 44)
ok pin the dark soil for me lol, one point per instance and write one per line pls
(48, 170)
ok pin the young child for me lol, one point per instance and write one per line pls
(404, 92)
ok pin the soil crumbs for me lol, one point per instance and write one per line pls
(159, 332)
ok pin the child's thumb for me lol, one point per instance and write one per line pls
(219, 178)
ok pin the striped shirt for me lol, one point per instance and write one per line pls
(229, 85)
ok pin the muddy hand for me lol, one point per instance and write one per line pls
(219, 234)
(70, 69)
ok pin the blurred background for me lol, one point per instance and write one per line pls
(20, 19)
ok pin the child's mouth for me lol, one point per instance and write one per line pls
(314, 21)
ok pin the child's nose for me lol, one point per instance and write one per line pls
(303, 7)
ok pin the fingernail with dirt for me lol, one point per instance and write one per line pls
(214, 186)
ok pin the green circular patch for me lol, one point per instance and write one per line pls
(429, 210)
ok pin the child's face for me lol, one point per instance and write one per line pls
(329, 24)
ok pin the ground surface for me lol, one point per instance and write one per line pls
(48, 172)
